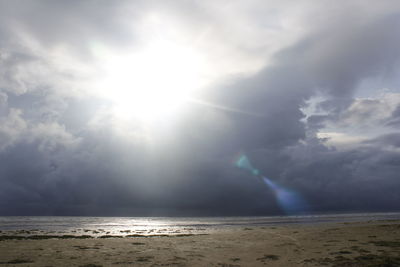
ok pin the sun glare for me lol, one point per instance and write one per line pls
(154, 81)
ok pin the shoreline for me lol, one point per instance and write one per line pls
(95, 226)
(332, 244)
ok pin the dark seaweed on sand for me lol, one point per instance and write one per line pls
(393, 244)
(268, 257)
(17, 261)
(42, 237)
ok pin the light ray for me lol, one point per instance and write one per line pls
(224, 108)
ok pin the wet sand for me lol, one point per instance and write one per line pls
(374, 243)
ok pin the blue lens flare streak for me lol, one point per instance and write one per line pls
(290, 201)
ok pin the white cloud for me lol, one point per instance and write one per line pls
(365, 118)
(341, 140)
(11, 128)
(50, 136)
(368, 112)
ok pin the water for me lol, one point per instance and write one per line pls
(164, 225)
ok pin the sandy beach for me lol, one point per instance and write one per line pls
(373, 243)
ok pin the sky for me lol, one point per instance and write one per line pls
(140, 108)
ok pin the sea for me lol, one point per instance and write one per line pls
(146, 226)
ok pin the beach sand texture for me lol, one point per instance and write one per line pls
(329, 244)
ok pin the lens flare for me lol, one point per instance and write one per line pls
(243, 162)
(290, 201)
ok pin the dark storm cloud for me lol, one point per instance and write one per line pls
(355, 180)
(64, 154)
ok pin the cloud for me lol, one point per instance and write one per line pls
(358, 179)
(390, 140)
(11, 127)
(394, 119)
(64, 151)
(363, 119)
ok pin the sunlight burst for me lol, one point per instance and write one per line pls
(153, 82)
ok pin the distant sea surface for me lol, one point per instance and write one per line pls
(165, 225)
